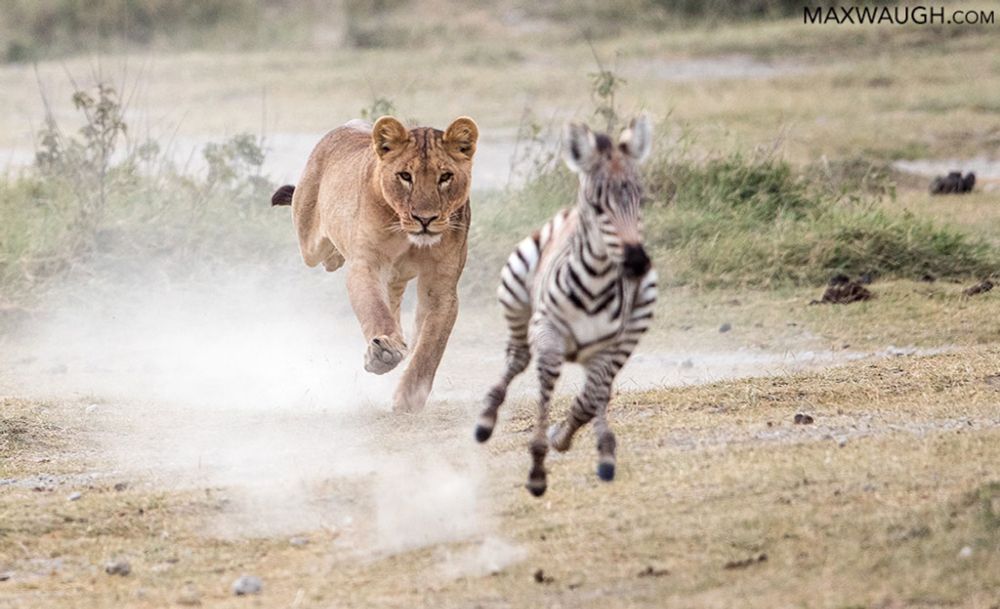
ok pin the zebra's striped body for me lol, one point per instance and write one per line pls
(579, 290)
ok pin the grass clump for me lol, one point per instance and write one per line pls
(755, 221)
(94, 201)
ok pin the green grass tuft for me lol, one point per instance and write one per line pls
(743, 221)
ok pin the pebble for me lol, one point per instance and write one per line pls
(121, 486)
(189, 596)
(299, 541)
(5, 575)
(74, 496)
(688, 363)
(90, 408)
(726, 327)
(802, 419)
(118, 567)
(247, 584)
(965, 552)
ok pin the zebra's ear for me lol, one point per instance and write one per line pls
(636, 140)
(579, 147)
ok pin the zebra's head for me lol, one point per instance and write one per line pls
(610, 189)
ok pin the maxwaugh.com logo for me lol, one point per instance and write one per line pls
(896, 15)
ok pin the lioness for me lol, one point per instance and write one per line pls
(395, 204)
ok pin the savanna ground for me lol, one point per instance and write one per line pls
(775, 170)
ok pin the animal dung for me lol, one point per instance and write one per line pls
(843, 290)
(953, 183)
(980, 288)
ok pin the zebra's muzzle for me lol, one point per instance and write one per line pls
(636, 262)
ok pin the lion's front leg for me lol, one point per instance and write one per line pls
(437, 308)
(367, 291)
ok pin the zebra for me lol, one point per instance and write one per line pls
(582, 289)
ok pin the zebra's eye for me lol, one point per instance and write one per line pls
(445, 177)
(405, 176)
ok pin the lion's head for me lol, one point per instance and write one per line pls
(425, 174)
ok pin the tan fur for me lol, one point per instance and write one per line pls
(353, 205)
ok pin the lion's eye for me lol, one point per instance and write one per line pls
(445, 177)
(405, 176)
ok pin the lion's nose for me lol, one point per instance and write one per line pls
(424, 221)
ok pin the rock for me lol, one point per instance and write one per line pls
(726, 327)
(121, 486)
(746, 562)
(802, 419)
(118, 567)
(299, 541)
(5, 575)
(953, 183)
(75, 496)
(247, 584)
(688, 363)
(980, 288)
(651, 571)
(542, 578)
(189, 596)
(965, 552)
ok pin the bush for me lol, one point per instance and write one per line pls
(86, 203)
(752, 221)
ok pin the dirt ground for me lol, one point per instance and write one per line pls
(889, 497)
(198, 443)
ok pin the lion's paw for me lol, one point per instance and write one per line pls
(384, 353)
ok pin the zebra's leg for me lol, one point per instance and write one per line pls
(592, 403)
(549, 351)
(518, 357)
(638, 323)
(596, 391)
(606, 444)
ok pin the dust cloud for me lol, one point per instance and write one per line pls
(247, 382)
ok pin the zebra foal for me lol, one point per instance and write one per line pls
(580, 290)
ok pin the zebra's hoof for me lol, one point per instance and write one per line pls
(483, 433)
(606, 471)
(536, 488)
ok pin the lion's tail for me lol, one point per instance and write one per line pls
(283, 196)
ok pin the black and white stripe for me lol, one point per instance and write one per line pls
(580, 290)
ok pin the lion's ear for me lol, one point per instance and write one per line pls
(388, 135)
(461, 137)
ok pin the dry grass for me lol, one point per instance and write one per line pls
(837, 91)
(709, 475)
(868, 506)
